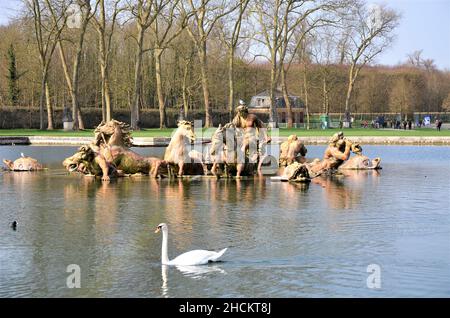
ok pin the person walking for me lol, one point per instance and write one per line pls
(438, 124)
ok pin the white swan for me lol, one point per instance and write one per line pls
(195, 257)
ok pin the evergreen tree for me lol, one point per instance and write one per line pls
(13, 77)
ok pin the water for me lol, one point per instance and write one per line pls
(285, 240)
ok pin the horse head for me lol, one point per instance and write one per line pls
(185, 128)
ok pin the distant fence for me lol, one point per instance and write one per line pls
(22, 117)
(360, 118)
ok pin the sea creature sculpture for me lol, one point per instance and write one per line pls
(109, 155)
(23, 163)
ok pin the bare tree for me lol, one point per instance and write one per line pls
(205, 14)
(165, 29)
(370, 33)
(295, 20)
(270, 35)
(187, 54)
(82, 11)
(278, 21)
(298, 20)
(105, 24)
(446, 104)
(142, 10)
(326, 54)
(305, 61)
(230, 35)
(415, 58)
(407, 93)
(47, 32)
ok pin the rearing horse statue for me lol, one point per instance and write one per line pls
(230, 149)
(179, 153)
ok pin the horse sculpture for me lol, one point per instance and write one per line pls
(109, 155)
(231, 149)
(179, 154)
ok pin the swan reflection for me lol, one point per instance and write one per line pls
(194, 272)
(164, 288)
(199, 271)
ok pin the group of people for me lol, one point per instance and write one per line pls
(398, 124)
(406, 124)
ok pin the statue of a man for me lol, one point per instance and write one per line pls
(243, 119)
(255, 132)
(337, 152)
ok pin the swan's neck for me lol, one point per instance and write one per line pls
(164, 254)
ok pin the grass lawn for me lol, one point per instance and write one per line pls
(207, 132)
(367, 132)
(84, 133)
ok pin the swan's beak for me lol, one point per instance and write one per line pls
(157, 230)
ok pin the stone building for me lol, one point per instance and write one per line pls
(260, 104)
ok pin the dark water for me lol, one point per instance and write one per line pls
(285, 240)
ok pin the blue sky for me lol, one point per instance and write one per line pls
(425, 25)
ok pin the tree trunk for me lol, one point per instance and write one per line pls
(273, 118)
(326, 98)
(106, 98)
(49, 107)
(231, 83)
(286, 97)
(184, 90)
(78, 122)
(162, 111)
(205, 85)
(72, 85)
(42, 99)
(305, 87)
(76, 110)
(103, 102)
(137, 80)
(349, 95)
(351, 82)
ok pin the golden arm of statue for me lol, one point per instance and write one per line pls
(336, 153)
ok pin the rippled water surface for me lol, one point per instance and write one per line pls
(285, 240)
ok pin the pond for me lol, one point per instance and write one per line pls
(284, 240)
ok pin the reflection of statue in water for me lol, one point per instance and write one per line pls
(337, 195)
(109, 154)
